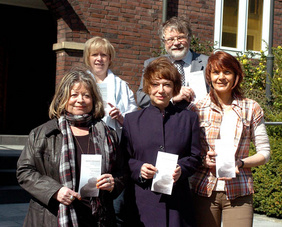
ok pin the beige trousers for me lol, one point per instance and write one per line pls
(211, 211)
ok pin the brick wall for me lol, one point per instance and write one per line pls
(131, 26)
(201, 14)
(277, 25)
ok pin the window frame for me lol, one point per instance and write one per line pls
(242, 27)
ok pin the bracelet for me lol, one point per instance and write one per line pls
(243, 163)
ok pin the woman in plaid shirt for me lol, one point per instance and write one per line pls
(226, 115)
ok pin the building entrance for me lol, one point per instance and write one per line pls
(27, 67)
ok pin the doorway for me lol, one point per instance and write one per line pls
(27, 67)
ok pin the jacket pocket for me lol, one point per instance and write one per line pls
(34, 217)
(39, 215)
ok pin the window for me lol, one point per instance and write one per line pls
(242, 25)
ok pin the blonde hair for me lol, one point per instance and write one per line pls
(98, 43)
(63, 91)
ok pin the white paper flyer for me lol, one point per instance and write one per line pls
(163, 181)
(104, 93)
(225, 158)
(90, 171)
(197, 83)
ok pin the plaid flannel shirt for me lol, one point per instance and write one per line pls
(250, 114)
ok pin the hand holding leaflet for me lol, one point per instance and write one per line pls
(90, 172)
(225, 158)
(163, 181)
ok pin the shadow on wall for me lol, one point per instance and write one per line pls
(29, 71)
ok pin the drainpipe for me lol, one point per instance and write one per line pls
(164, 18)
(164, 13)
(270, 56)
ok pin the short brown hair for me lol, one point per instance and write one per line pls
(63, 91)
(221, 60)
(161, 68)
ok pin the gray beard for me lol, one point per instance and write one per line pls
(179, 55)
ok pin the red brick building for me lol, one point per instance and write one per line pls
(48, 36)
(130, 25)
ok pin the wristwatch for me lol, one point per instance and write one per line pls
(243, 163)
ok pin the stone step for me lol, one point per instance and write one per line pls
(11, 147)
(13, 194)
(10, 150)
(13, 139)
(8, 159)
(8, 177)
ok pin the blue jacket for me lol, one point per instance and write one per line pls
(146, 132)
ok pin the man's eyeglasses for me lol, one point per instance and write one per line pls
(171, 40)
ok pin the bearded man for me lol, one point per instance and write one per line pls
(176, 35)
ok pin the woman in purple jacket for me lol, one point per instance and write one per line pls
(162, 127)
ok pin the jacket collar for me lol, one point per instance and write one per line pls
(168, 110)
(237, 104)
(195, 56)
(52, 127)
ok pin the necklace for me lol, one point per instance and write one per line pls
(88, 145)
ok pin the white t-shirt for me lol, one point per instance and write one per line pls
(227, 132)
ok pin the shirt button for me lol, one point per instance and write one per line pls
(161, 148)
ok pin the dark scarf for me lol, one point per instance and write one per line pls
(104, 144)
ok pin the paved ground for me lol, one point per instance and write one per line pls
(264, 221)
(12, 215)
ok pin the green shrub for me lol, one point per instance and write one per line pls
(205, 47)
(276, 86)
(254, 83)
(267, 178)
(255, 72)
(268, 182)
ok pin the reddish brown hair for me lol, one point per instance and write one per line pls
(162, 68)
(221, 61)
